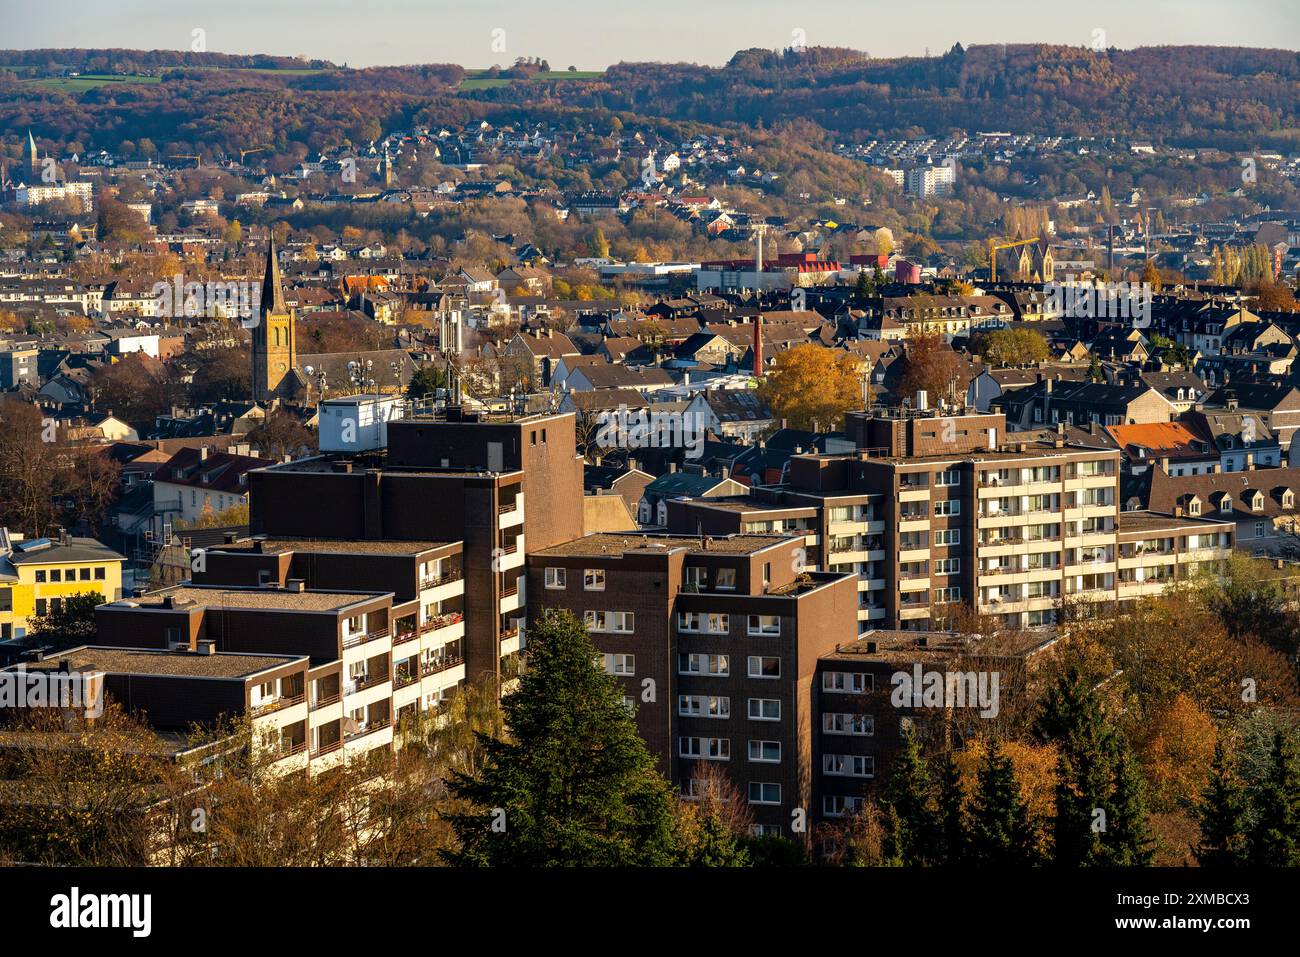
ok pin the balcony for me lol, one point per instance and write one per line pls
(507, 509)
(401, 637)
(434, 582)
(279, 704)
(442, 621)
(288, 751)
(326, 701)
(405, 677)
(357, 685)
(441, 664)
(364, 638)
(371, 728)
(325, 749)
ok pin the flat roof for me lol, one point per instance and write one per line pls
(1146, 521)
(179, 664)
(342, 546)
(620, 543)
(320, 465)
(191, 597)
(922, 646)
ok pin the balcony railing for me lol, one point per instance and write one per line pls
(401, 637)
(291, 750)
(326, 701)
(440, 580)
(509, 590)
(364, 637)
(442, 664)
(278, 704)
(406, 677)
(506, 509)
(361, 684)
(442, 621)
(370, 728)
(325, 749)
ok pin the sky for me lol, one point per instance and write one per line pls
(592, 35)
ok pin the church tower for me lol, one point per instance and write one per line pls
(33, 161)
(275, 346)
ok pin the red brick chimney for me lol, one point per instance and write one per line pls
(758, 346)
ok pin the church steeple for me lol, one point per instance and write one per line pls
(272, 290)
(33, 161)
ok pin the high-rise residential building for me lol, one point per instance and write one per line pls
(931, 180)
(497, 483)
(715, 641)
(933, 511)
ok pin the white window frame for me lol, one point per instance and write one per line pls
(556, 577)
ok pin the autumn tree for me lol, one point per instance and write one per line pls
(811, 387)
(1013, 347)
(281, 434)
(928, 365)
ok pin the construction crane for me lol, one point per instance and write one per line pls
(258, 149)
(993, 254)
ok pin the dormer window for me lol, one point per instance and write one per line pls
(1194, 506)
(1257, 502)
(1225, 505)
(1288, 499)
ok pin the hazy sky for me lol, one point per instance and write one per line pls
(592, 34)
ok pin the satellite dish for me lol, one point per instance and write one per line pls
(309, 370)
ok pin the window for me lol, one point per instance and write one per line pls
(947, 536)
(83, 574)
(762, 792)
(765, 752)
(99, 574)
(703, 706)
(616, 622)
(764, 624)
(698, 576)
(593, 579)
(1259, 529)
(40, 574)
(947, 506)
(715, 665)
(948, 478)
(849, 765)
(944, 596)
(41, 607)
(1226, 505)
(764, 709)
(844, 723)
(710, 749)
(847, 682)
(838, 805)
(767, 574)
(624, 665)
(947, 566)
(556, 577)
(56, 574)
(764, 666)
(726, 580)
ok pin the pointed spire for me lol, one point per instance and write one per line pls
(272, 291)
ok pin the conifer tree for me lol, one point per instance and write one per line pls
(573, 783)
(952, 814)
(1220, 814)
(1274, 839)
(911, 825)
(1127, 841)
(1000, 832)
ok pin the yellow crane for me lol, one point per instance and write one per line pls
(258, 149)
(994, 246)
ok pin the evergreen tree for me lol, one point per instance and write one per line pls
(1127, 840)
(1274, 839)
(573, 784)
(1000, 832)
(911, 825)
(715, 846)
(952, 814)
(863, 290)
(1220, 815)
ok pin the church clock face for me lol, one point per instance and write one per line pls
(280, 367)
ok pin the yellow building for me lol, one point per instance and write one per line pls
(36, 575)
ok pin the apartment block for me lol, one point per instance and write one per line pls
(38, 574)
(715, 641)
(462, 477)
(174, 689)
(934, 511)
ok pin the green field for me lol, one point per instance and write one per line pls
(89, 81)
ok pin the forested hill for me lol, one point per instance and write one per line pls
(1234, 98)
(1227, 96)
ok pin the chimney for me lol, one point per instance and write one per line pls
(230, 537)
(63, 536)
(207, 647)
(203, 453)
(922, 400)
(758, 345)
(672, 468)
(295, 585)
